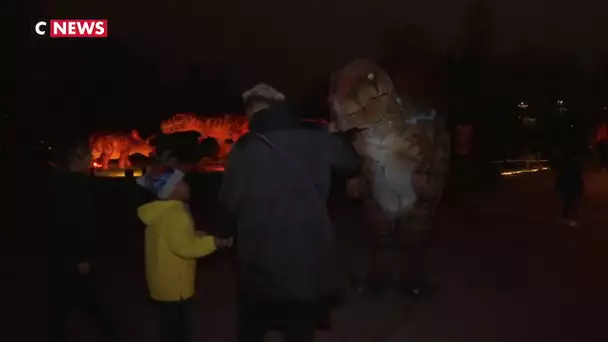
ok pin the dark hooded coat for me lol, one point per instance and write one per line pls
(285, 241)
(73, 219)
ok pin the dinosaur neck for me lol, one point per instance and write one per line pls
(392, 121)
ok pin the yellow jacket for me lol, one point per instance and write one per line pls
(171, 249)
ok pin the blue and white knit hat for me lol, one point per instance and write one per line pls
(161, 181)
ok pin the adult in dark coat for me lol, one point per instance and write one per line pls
(73, 232)
(276, 192)
(570, 184)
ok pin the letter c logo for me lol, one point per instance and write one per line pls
(38, 30)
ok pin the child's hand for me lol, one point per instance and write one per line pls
(223, 243)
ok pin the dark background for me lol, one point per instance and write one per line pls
(474, 60)
(503, 264)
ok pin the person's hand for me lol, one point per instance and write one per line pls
(223, 243)
(84, 268)
(355, 187)
(332, 127)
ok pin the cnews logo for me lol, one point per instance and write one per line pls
(73, 28)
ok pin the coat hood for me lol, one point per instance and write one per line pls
(279, 116)
(151, 213)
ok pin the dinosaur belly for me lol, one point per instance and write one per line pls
(96, 154)
(115, 155)
(389, 175)
(395, 198)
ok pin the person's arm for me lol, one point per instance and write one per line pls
(84, 243)
(77, 218)
(343, 156)
(231, 187)
(78, 244)
(183, 241)
(230, 190)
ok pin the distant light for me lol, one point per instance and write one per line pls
(571, 126)
(42, 141)
(117, 173)
(49, 147)
(522, 105)
(517, 172)
(560, 102)
(605, 108)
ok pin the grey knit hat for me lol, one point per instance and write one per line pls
(263, 91)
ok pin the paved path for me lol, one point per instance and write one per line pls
(506, 271)
(510, 273)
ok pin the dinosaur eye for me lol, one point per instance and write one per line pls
(371, 76)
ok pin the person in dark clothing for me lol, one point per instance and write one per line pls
(73, 244)
(570, 185)
(275, 188)
(603, 152)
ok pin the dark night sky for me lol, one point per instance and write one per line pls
(266, 40)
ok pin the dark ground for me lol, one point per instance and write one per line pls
(506, 271)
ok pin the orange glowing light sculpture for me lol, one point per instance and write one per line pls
(225, 129)
(108, 146)
(601, 133)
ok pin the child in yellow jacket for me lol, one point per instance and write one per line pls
(171, 249)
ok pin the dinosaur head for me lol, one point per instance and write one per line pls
(150, 139)
(135, 135)
(141, 146)
(359, 95)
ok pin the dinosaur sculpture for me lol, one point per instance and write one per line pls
(107, 146)
(405, 154)
(225, 129)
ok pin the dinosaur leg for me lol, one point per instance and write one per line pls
(376, 275)
(105, 161)
(382, 257)
(123, 160)
(413, 237)
(126, 161)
